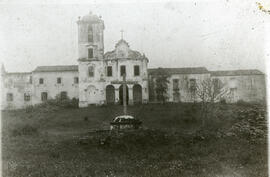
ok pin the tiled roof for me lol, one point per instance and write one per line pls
(17, 73)
(236, 72)
(194, 70)
(58, 68)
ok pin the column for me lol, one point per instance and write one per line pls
(116, 94)
(130, 94)
(145, 92)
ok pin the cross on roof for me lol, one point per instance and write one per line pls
(122, 31)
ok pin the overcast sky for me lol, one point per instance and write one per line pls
(220, 35)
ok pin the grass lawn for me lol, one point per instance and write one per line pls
(45, 143)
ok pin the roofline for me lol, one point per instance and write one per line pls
(206, 71)
(240, 70)
(64, 70)
(218, 75)
(13, 73)
(180, 68)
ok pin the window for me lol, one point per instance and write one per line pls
(76, 80)
(59, 80)
(30, 79)
(10, 81)
(63, 95)
(109, 71)
(41, 80)
(233, 90)
(90, 33)
(9, 97)
(44, 96)
(252, 83)
(175, 84)
(91, 71)
(90, 53)
(232, 83)
(136, 70)
(26, 97)
(216, 84)
(192, 84)
(122, 70)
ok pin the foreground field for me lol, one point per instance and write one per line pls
(174, 143)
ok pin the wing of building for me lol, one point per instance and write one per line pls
(98, 77)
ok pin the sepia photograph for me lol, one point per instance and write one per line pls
(134, 88)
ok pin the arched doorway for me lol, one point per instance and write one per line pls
(121, 94)
(110, 94)
(137, 94)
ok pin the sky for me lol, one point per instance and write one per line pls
(219, 35)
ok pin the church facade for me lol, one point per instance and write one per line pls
(98, 77)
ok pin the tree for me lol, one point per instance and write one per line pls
(161, 84)
(209, 91)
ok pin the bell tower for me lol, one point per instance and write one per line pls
(90, 37)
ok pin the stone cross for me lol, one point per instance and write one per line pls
(124, 94)
(124, 83)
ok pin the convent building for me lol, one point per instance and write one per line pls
(98, 77)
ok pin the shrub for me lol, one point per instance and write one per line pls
(242, 103)
(64, 102)
(252, 124)
(223, 101)
(24, 130)
(29, 108)
(53, 105)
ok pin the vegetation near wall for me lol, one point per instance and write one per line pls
(54, 104)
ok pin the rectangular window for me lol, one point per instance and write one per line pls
(216, 83)
(9, 97)
(91, 71)
(90, 53)
(59, 80)
(252, 83)
(175, 84)
(76, 80)
(232, 83)
(26, 97)
(41, 80)
(109, 71)
(136, 70)
(63, 95)
(192, 84)
(122, 70)
(44, 96)
(30, 80)
(90, 33)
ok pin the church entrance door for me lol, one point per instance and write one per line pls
(137, 94)
(110, 94)
(121, 94)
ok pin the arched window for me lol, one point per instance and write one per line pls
(27, 97)
(90, 53)
(91, 71)
(90, 33)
